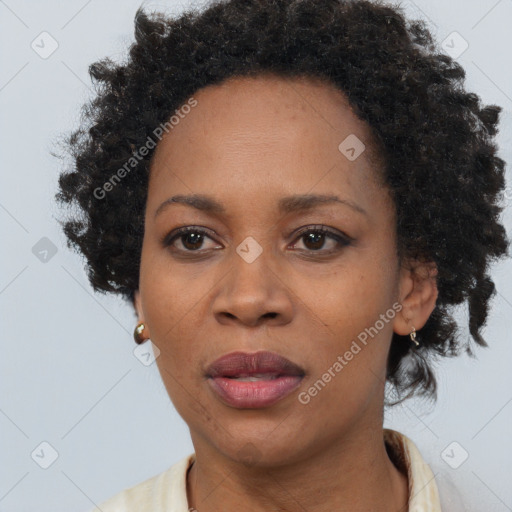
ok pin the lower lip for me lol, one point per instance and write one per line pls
(254, 394)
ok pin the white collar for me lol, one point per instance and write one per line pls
(167, 491)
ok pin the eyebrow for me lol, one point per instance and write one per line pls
(296, 203)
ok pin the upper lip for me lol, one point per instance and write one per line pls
(242, 364)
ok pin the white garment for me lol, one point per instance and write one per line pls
(167, 491)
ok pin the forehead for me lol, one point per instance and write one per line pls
(256, 104)
(277, 130)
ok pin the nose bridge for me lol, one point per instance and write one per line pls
(252, 265)
(252, 276)
(252, 289)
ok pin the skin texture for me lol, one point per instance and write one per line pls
(247, 144)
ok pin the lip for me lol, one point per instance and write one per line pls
(281, 377)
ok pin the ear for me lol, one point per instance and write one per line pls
(138, 305)
(417, 294)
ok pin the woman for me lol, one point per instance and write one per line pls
(293, 195)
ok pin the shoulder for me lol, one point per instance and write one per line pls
(430, 486)
(164, 492)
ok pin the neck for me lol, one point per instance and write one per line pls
(355, 473)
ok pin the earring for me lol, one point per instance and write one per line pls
(138, 333)
(412, 334)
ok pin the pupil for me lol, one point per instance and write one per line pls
(195, 240)
(315, 239)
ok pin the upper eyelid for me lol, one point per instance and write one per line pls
(322, 228)
(182, 230)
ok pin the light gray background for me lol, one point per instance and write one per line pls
(69, 375)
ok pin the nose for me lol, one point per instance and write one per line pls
(253, 294)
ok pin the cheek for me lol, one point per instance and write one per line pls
(168, 305)
(348, 297)
(349, 367)
(170, 292)
(355, 304)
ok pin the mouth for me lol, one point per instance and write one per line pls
(253, 380)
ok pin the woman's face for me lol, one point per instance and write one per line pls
(261, 277)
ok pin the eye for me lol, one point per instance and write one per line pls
(191, 239)
(315, 237)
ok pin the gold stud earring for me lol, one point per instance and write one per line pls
(412, 335)
(138, 333)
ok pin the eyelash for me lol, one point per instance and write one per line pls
(342, 239)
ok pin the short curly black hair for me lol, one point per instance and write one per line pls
(436, 139)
